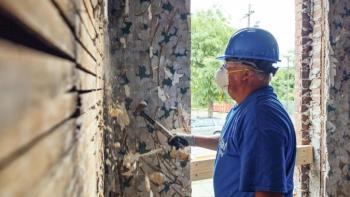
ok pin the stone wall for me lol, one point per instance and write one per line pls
(338, 99)
(149, 60)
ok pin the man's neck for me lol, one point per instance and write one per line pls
(246, 92)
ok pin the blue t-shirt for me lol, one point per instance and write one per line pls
(257, 148)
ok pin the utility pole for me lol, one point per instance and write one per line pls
(250, 12)
(287, 94)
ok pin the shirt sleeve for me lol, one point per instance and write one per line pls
(263, 163)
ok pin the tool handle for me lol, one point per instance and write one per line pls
(156, 124)
(149, 119)
(164, 130)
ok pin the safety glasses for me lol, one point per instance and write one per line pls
(236, 71)
(251, 64)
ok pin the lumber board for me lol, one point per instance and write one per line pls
(44, 20)
(202, 168)
(87, 21)
(62, 179)
(88, 43)
(304, 155)
(90, 100)
(90, 11)
(80, 165)
(26, 171)
(85, 60)
(87, 151)
(93, 34)
(68, 9)
(100, 74)
(34, 94)
(86, 52)
(86, 81)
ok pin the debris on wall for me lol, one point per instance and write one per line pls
(149, 61)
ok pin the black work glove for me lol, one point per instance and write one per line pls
(181, 141)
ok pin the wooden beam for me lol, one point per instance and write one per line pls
(21, 178)
(87, 150)
(44, 20)
(202, 168)
(90, 100)
(78, 18)
(86, 81)
(34, 95)
(304, 155)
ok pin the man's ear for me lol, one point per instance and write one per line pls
(247, 75)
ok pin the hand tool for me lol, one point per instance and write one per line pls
(173, 140)
(140, 111)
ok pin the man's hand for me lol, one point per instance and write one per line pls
(182, 140)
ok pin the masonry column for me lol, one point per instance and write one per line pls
(337, 173)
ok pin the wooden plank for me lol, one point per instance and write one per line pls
(61, 180)
(85, 60)
(68, 8)
(86, 81)
(86, 21)
(86, 52)
(77, 16)
(87, 151)
(42, 18)
(23, 175)
(76, 173)
(304, 155)
(93, 35)
(202, 168)
(90, 11)
(89, 100)
(91, 26)
(34, 98)
(100, 74)
(88, 43)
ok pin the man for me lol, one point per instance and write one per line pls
(256, 149)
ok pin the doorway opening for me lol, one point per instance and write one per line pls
(212, 24)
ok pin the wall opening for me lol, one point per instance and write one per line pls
(209, 104)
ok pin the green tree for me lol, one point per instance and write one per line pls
(210, 32)
(284, 81)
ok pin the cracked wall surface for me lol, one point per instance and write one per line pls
(149, 60)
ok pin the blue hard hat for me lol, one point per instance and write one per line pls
(252, 43)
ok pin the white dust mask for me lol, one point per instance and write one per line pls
(221, 78)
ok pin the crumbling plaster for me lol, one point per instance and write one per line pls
(149, 60)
